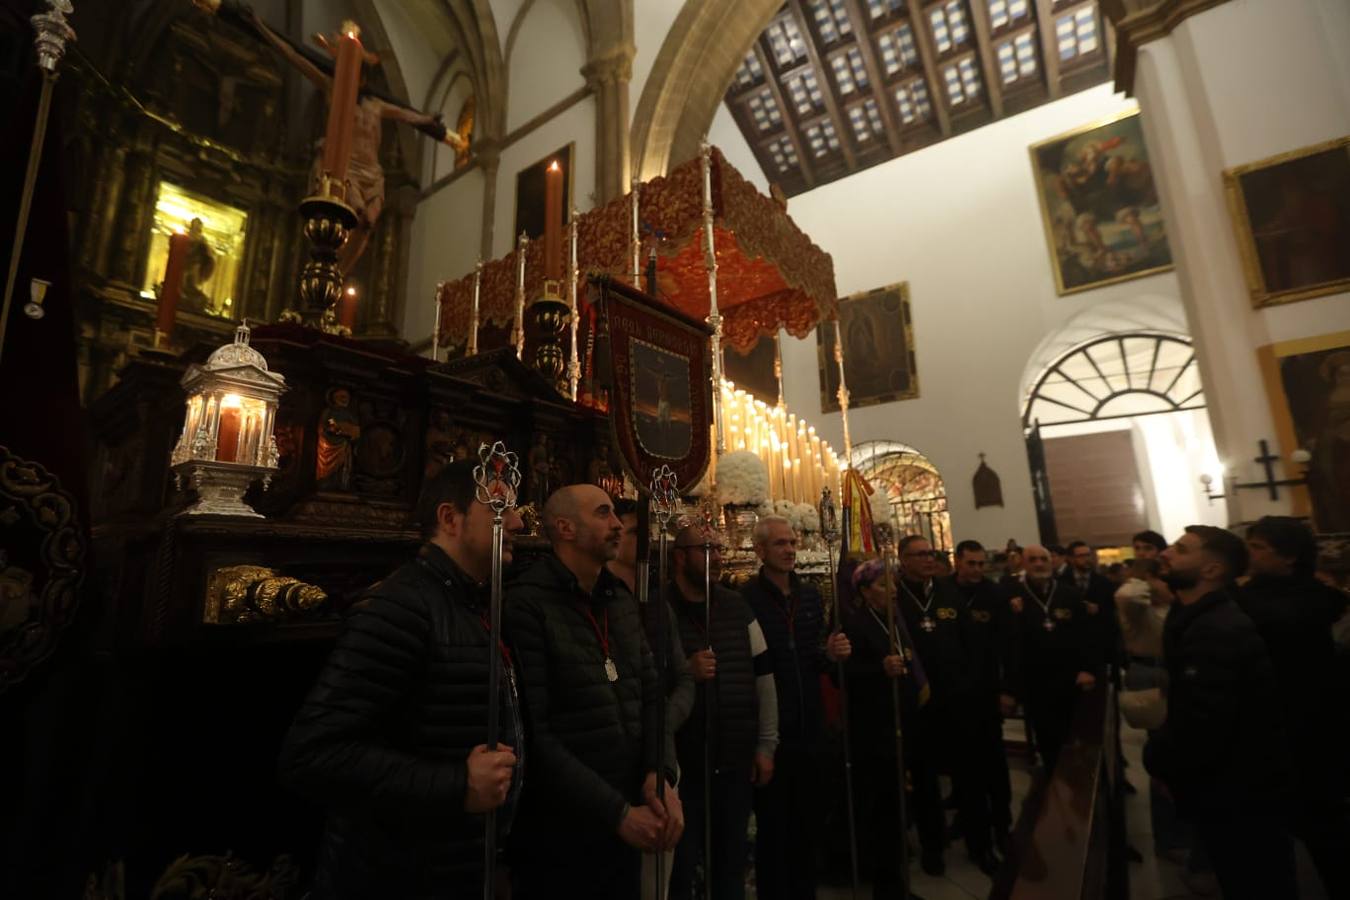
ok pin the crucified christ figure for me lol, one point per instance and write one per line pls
(366, 192)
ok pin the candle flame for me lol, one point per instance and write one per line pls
(351, 292)
(231, 401)
(553, 166)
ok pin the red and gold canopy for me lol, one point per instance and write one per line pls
(769, 273)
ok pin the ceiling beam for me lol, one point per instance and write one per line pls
(1045, 21)
(833, 102)
(863, 37)
(928, 53)
(788, 113)
(993, 80)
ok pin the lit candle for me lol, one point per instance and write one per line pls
(227, 433)
(337, 139)
(347, 309)
(553, 176)
(789, 492)
(172, 288)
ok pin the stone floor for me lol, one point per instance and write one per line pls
(1153, 879)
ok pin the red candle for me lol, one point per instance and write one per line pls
(553, 222)
(227, 437)
(347, 309)
(337, 140)
(172, 288)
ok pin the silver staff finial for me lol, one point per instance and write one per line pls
(497, 476)
(829, 522)
(665, 495)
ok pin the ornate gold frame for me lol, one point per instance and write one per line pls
(1045, 213)
(1268, 359)
(824, 354)
(1251, 259)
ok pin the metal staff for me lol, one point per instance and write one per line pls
(829, 530)
(497, 477)
(436, 325)
(707, 688)
(887, 549)
(52, 33)
(665, 498)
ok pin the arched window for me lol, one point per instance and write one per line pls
(913, 487)
(1116, 376)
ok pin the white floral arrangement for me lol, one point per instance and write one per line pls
(881, 507)
(742, 479)
(805, 518)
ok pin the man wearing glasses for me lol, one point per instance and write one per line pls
(791, 615)
(735, 713)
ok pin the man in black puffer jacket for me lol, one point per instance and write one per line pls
(391, 737)
(591, 696)
(1222, 750)
(1294, 613)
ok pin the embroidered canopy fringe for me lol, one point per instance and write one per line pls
(769, 273)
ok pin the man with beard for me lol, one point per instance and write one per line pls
(591, 695)
(390, 739)
(787, 810)
(1054, 655)
(988, 630)
(738, 700)
(1221, 751)
(1099, 599)
(1294, 613)
(678, 680)
(950, 726)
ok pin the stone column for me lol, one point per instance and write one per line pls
(489, 156)
(607, 75)
(1223, 84)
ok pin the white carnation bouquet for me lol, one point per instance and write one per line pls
(742, 479)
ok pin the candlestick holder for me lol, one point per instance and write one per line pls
(329, 221)
(549, 317)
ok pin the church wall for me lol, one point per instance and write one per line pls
(575, 125)
(445, 242)
(545, 61)
(962, 224)
(417, 59)
(1236, 84)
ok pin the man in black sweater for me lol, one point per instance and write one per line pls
(1294, 613)
(988, 627)
(787, 810)
(1222, 750)
(391, 737)
(731, 664)
(591, 695)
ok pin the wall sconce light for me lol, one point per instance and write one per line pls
(1267, 460)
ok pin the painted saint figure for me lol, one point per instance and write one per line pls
(339, 432)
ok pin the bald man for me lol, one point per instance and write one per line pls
(1054, 656)
(591, 700)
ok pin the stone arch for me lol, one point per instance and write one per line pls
(914, 488)
(690, 76)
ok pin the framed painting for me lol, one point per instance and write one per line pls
(1308, 382)
(1099, 205)
(878, 350)
(530, 194)
(753, 371)
(1292, 217)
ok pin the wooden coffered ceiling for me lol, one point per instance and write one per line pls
(834, 86)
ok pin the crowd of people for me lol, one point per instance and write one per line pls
(638, 740)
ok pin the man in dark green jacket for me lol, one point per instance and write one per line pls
(591, 696)
(1222, 750)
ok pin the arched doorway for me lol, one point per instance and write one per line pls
(913, 486)
(1117, 439)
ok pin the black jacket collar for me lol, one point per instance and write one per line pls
(437, 563)
(1186, 613)
(552, 575)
